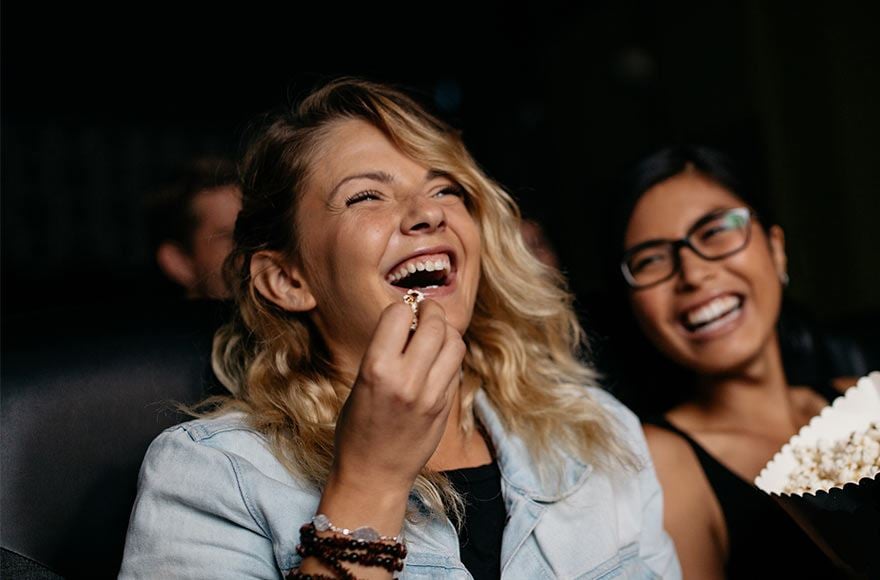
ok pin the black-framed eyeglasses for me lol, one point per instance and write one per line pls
(714, 236)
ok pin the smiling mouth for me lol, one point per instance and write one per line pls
(421, 272)
(712, 314)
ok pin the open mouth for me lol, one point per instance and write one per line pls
(713, 314)
(422, 272)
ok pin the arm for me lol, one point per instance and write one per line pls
(190, 519)
(691, 513)
(391, 424)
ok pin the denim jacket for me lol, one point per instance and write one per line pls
(213, 502)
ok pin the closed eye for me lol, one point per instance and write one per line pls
(362, 196)
(648, 261)
(713, 231)
(455, 190)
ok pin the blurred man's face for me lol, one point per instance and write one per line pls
(215, 211)
(537, 242)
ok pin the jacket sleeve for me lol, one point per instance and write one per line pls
(191, 518)
(656, 548)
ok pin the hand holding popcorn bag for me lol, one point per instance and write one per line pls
(827, 477)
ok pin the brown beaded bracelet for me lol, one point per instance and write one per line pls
(332, 551)
(308, 535)
(328, 558)
(297, 575)
(331, 557)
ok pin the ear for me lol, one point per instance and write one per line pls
(176, 264)
(776, 238)
(281, 282)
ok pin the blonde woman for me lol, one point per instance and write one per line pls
(370, 434)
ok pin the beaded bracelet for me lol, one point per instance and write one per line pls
(297, 575)
(308, 536)
(327, 557)
(323, 524)
(332, 551)
(335, 559)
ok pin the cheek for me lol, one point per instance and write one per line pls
(767, 296)
(476, 249)
(207, 254)
(221, 249)
(649, 310)
(351, 253)
(758, 268)
(471, 235)
(765, 271)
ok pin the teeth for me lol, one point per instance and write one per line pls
(714, 309)
(419, 265)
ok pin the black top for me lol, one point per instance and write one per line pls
(763, 541)
(479, 536)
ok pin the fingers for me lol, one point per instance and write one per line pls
(428, 339)
(444, 374)
(404, 393)
(392, 331)
(421, 371)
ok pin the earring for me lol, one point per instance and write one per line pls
(783, 277)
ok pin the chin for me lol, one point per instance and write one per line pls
(457, 317)
(722, 362)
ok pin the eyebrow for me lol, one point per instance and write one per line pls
(691, 228)
(379, 176)
(383, 177)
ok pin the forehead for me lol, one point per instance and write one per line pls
(354, 146)
(669, 208)
(217, 206)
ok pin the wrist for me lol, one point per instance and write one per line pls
(355, 502)
(386, 489)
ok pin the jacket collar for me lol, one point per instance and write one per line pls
(518, 468)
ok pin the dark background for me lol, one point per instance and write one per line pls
(554, 98)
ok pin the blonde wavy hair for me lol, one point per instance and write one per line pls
(523, 343)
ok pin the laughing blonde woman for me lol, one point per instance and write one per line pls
(408, 397)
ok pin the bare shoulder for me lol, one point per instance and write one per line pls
(692, 513)
(670, 449)
(678, 469)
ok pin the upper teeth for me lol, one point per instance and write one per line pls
(418, 265)
(712, 310)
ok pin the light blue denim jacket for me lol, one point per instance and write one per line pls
(213, 502)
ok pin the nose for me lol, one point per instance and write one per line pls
(423, 216)
(693, 270)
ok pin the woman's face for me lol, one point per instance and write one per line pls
(372, 223)
(712, 316)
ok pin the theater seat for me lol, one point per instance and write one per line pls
(813, 353)
(83, 396)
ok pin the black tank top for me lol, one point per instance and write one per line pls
(479, 537)
(763, 541)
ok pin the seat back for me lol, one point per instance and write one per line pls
(82, 399)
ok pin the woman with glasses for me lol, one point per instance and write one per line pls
(703, 272)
